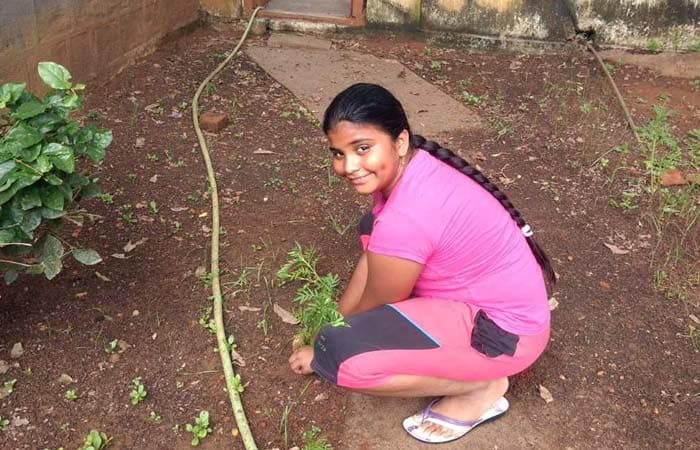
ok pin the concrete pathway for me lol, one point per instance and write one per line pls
(315, 74)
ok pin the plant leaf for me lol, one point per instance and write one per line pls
(29, 109)
(615, 249)
(10, 93)
(50, 254)
(54, 75)
(285, 315)
(61, 156)
(87, 256)
(24, 135)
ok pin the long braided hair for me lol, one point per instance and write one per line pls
(374, 105)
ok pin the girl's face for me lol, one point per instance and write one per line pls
(369, 158)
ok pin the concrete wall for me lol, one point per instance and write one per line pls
(404, 13)
(92, 38)
(673, 23)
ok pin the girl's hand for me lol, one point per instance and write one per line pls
(300, 361)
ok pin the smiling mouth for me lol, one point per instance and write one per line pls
(358, 180)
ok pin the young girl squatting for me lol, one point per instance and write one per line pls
(448, 299)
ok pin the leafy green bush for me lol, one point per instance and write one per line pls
(41, 181)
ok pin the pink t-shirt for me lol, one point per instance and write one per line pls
(471, 249)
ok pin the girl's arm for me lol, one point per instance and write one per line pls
(351, 297)
(388, 279)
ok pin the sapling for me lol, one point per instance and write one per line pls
(96, 440)
(314, 441)
(316, 297)
(200, 429)
(138, 392)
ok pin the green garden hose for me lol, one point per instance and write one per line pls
(231, 382)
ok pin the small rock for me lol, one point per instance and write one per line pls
(604, 285)
(4, 367)
(114, 358)
(673, 177)
(213, 122)
(553, 303)
(17, 350)
(123, 346)
(19, 421)
(65, 379)
(140, 142)
(321, 397)
(135, 313)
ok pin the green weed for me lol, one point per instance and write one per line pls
(96, 440)
(70, 395)
(471, 99)
(138, 391)
(200, 429)
(314, 441)
(653, 45)
(4, 423)
(316, 297)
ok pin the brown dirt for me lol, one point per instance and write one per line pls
(621, 370)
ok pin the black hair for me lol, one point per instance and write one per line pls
(371, 104)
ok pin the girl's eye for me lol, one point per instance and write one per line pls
(363, 149)
(336, 154)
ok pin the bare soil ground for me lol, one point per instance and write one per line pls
(621, 367)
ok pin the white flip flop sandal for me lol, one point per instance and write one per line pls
(413, 424)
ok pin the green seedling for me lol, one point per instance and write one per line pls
(152, 157)
(238, 384)
(153, 207)
(653, 45)
(70, 395)
(210, 88)
(338, 227)
(9, 386)
(206, 321)
(314, 441)
(138, 392)
(200, 429)
(435, 65)
(316, 297)
(4, 423)
(471, 99)
(586, 108)
(112, 347)
(154, 416)
(107, 199)
(96, 440)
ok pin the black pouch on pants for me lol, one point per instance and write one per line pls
(490, 339)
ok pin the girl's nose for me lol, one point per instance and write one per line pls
(352, 164)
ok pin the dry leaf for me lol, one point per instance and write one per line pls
(129, 246)
(102, 277)
(546, 395)
(237, 358)
(262, 152)
(285, 315)
(140, 142)
(248, 308)
(154, 178)
(179, 208)
(615, 249)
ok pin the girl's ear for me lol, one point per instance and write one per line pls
(403, 143)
